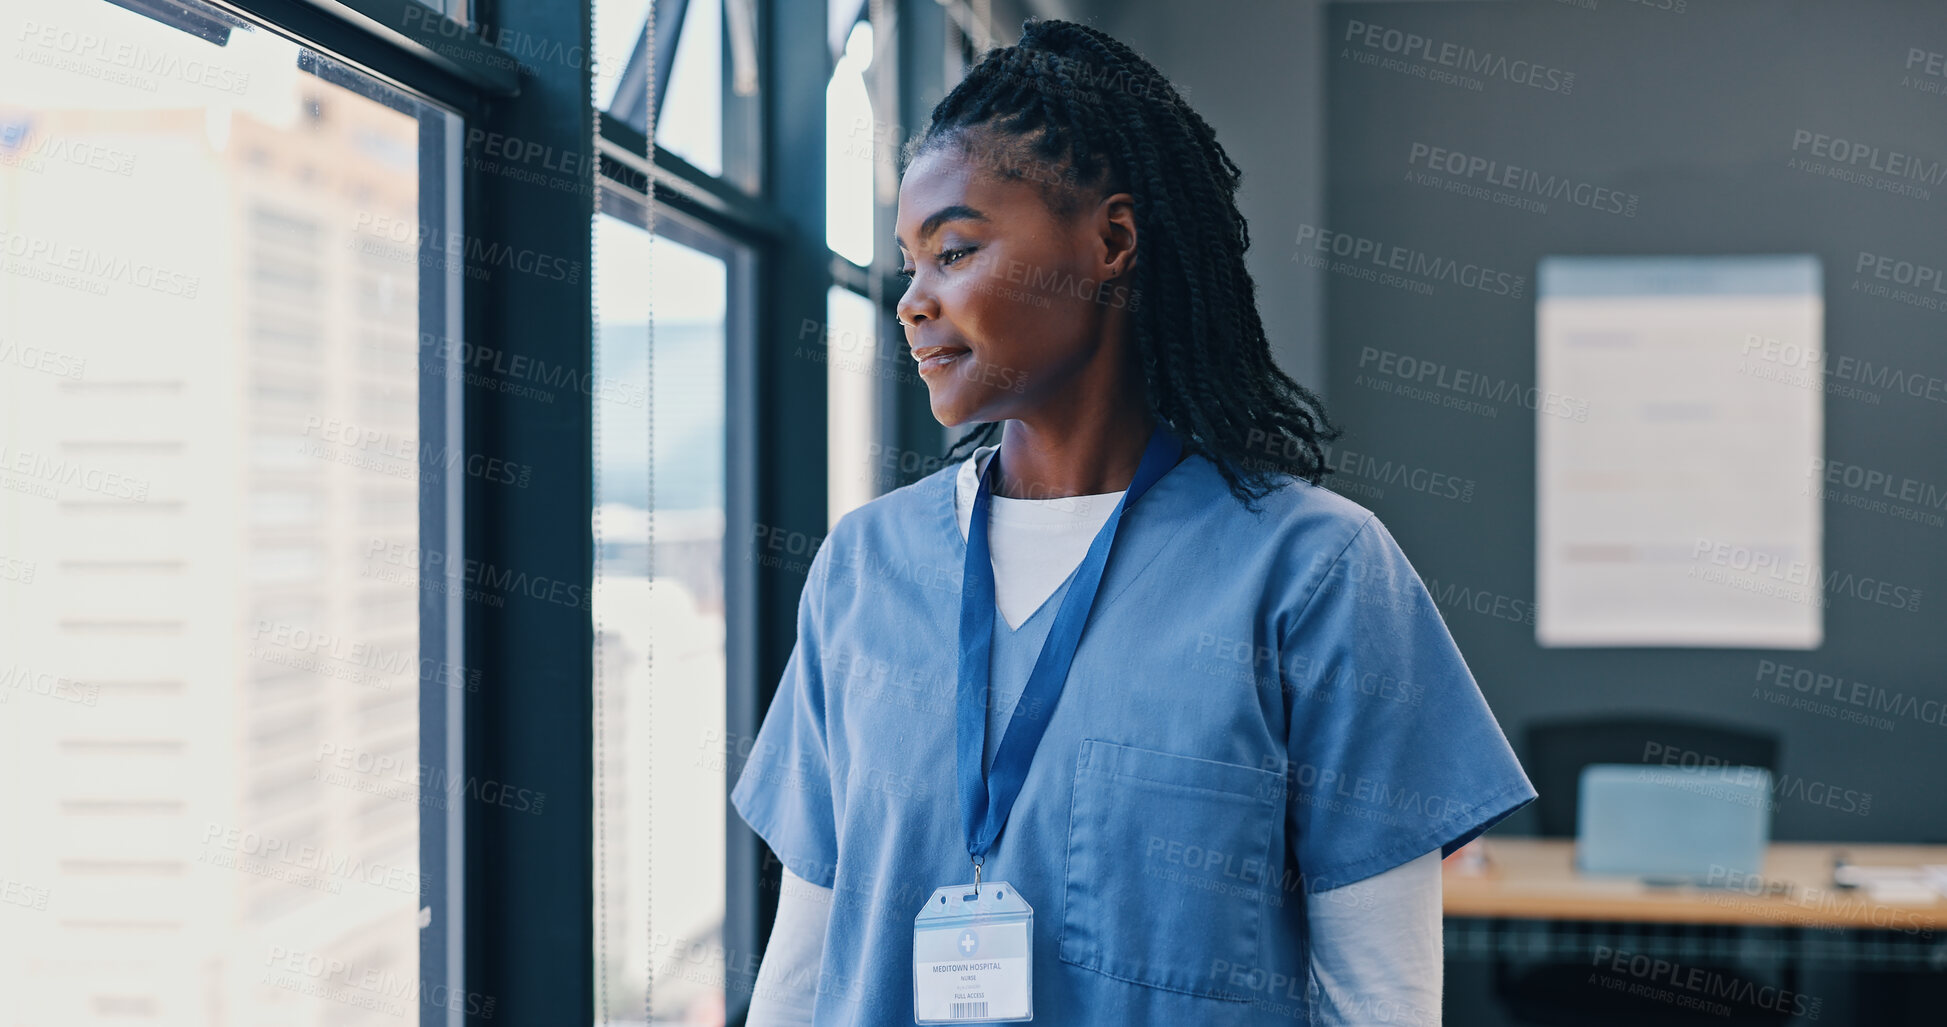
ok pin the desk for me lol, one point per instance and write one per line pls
(1530, 903)
(1535, 879)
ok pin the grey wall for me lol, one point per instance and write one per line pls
(1249, 67)
(1694, 113)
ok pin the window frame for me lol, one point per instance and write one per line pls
(417, 51)
(521, 907)
(768, 211)
(513, 913)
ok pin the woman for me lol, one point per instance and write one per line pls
(1222, 739)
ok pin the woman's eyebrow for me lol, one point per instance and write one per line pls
(955, 212)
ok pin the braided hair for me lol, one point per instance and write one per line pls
(1078, 113)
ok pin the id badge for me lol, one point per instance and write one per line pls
(973, 958)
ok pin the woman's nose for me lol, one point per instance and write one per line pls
(915, 306)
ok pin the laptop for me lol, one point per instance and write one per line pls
(1702, 825)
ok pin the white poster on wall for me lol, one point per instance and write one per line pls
(1676, 506)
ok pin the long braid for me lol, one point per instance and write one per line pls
(1082, 112)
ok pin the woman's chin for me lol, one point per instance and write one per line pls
(948, 406)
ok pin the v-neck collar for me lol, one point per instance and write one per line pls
(947, 518)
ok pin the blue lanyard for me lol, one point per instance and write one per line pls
(986, 799)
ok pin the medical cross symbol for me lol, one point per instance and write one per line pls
(969, 941)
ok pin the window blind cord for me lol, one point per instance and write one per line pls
(649, 657)
(647, 695)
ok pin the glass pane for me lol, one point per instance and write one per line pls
(618, 32)
(691, 122)
(454, 10)
(851, 402)
(849, 139)
(663, 735)
(211, 678)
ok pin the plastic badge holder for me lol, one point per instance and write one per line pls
(973, 958)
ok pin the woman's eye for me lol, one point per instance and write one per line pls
(951, 256)
(905, 273)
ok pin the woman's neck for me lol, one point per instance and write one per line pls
(1076, 455)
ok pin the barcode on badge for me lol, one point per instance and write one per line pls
(967, 1009)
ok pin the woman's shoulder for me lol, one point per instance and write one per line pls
(900, 515)
(1290, 511)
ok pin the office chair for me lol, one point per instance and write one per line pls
(1558, 994)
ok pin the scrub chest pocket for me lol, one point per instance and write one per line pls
(1171, 867)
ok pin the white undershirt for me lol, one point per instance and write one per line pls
(1035, 543)
(1375, 944)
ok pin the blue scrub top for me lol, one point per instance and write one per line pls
(1262, 706)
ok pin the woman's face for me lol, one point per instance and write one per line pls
(1009, 305)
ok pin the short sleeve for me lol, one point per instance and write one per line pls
(1392, 749)
(784, 791)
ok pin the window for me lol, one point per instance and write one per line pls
(618, 36)
(851, 131)
(691, 122)
(217, 251)
(700, 46)
(706, 535)
(851, 389)
(854, 135)
(664, 747)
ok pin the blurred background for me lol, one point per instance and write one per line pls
(410, 473)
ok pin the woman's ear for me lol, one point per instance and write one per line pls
(1115, 223)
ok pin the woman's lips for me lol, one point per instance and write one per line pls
(933, 358)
